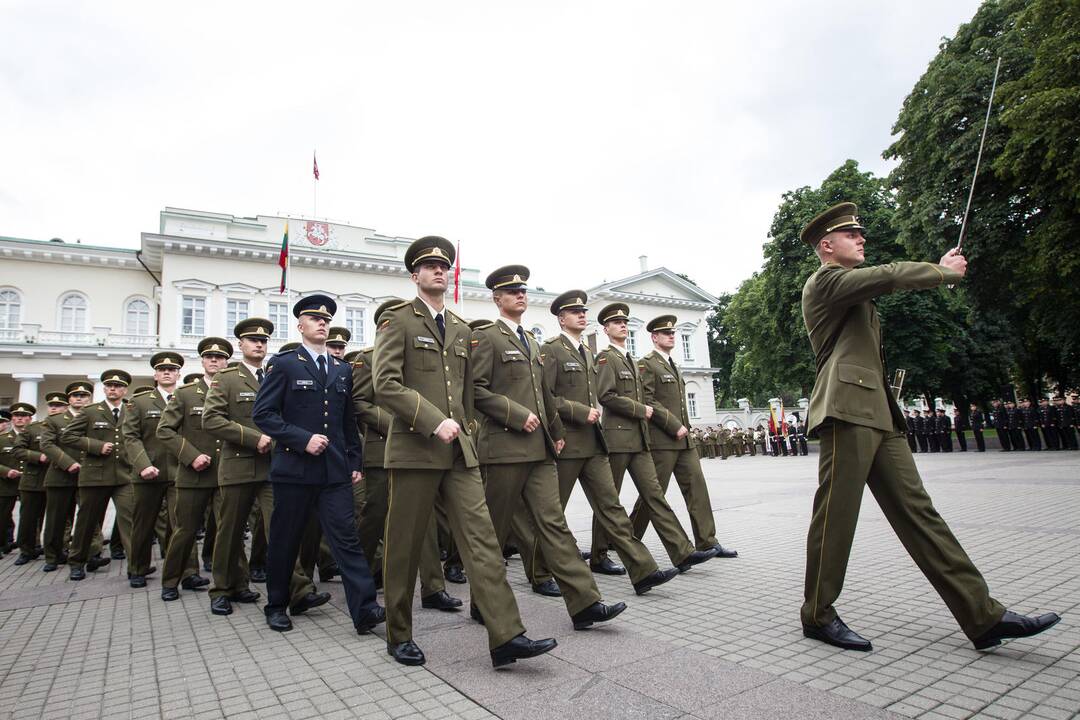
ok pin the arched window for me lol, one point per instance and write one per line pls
(137, 317)
(10, 309)
(73, 313)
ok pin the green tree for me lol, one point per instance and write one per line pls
(721, 352)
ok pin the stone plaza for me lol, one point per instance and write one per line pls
(722, 641)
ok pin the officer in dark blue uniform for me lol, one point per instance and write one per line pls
(305, 405)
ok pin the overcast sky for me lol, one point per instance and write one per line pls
(569, 136)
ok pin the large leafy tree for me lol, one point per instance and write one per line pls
(1021, 299)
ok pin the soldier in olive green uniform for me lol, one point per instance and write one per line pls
(571, 373)
(62, 476)
(423, 377)
(32, 464)
(198, 456)
(10, 475)
(153, 468)
(863, 443)
(243, 476)
(672, 453)
(104, 472)
(626, 432)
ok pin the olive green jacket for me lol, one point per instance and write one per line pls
(28, 449)
(89, 431)
(227, 417)
(423, 379)
(61, 456)
(623, 398)
(181, 432)
(376, 422)
(665, 390)
(842, 322)
(508, 378)
(8, 461)
(142, 447)
(573, 382)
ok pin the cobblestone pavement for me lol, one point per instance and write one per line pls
(722, 641)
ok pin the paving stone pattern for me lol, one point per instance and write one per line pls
(722, 641)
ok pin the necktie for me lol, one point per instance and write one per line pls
(441, 322)
(671, 361)
(168, 398)
(259, 375)
(581, 351)
(322, 369)
(116, 414)
(524, 340)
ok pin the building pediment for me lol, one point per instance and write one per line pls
(656, 287)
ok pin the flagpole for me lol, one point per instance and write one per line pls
(288, 288)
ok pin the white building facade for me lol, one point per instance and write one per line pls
(69, 311)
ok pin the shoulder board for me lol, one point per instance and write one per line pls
(357, 364)
(484, 327)
(552, 340)
(370, 349)
(454, 314)
(193, 383)
(227, 370)
(141, 394)
(400, 305)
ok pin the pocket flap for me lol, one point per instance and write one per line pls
(857, 375)
(425, 343)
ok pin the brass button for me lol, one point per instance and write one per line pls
(447, 367)
(325, 426)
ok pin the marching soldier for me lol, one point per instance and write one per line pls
(665, 391)
(10, 471)
(1046, 417)
(104, 472)
(978, 422)
(571, 375)
(1000, 418)
(423, 377)
(857, 418)
(62, 475)
(153, 469)
(626, 431)
(198, 457)
(33, 465)
(244, 473)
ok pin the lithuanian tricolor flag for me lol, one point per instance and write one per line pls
(283, 258)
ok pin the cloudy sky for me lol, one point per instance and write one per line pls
(569, 136)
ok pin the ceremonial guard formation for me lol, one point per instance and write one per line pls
(464, 441)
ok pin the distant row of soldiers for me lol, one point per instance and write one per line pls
(725, 442)
(1027, 427)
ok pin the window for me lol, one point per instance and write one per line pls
(235, 311)
(193, 316)
(279, 315)
(73, 313)
(631, 342)
(354, 323)
(10, 309)
(538, 333)
(137, 317)
(691, 404)
(687, 347)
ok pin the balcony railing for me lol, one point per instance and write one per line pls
(32, 334)
(118, 340)
(52, 337)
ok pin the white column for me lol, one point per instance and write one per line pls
(99, 387)
(28, 386)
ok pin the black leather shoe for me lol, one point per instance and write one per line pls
(137, 581)
(455, 574)
(406, 653)
(474, 613)
(607, 566)
(97, 562)
(169, 594)
(696, 558)
(1012, 625)
(309, 601)
(548, 588)
(221, 606)
(38, 552)
(440, 601)
(277, 620)
(657, 578)
(22, 559)
(520, 648)
(838, 634)
(48, 567)
(258, 575)
(118, 555)
(207, 566)
(723, 552)
(596, 613)
(245, 596)
(373, 617)
(328, 574)
(586, 555)
(194, 582)
(77, 574)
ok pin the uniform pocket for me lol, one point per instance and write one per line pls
(425, 355)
